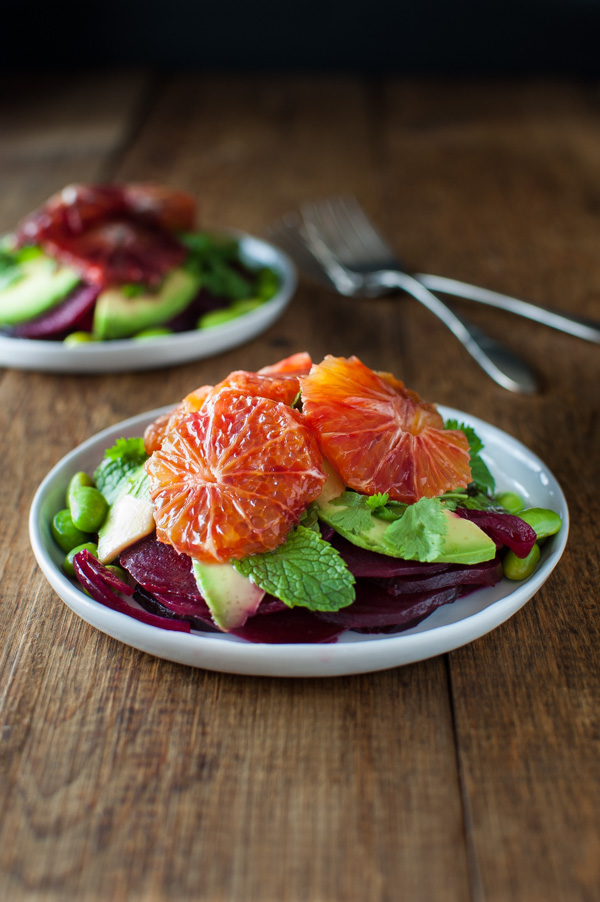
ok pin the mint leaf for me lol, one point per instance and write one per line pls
(125, 456)
(480, 474)
(355, 516)
(305, 571)
(419, 533)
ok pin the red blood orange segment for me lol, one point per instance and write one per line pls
(113, 234)
(278, 385)
(232, 479)
(380, 436)
(298, 365)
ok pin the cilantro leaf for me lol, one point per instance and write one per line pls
(305, 571)
(355, 515)
(380, 499)
(125, 456)
(480, 474)
(217, 262)
(419, 533)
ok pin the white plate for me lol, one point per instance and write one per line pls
(451, 626)
(166, 350)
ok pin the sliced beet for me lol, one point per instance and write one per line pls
(363, 563)
(187, 320)
(292, 625)
(159, 568)
(374, 607)
(504, 529)
(75, 312)
(103, 586)
(457, 575)
(198, 618)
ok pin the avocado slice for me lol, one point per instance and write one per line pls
(230, 596)
(40, 285)
(128, 520)
(464, 541)
(119, 316)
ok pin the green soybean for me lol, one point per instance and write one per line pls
(78, 338)
(216, 318)
(518, 568)
(65, 533)
(511, 502)
(88, 508)
(544, 522)
(267, 284)
(68, 561)
(246, 305)
(77, 480)
(155, 332)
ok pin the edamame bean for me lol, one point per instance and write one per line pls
(155, 332)
(68, 561)
(78, 338)
(267, 284)
(77, 480)
(511, 502)
(88, 508)
(246, 306)
(515, 567)
(216, 318)
(65, 533)
(544, 522)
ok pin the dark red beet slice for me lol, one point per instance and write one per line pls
(293, 625)
(203, 302)
(504, 529)
(75, 312)
(363, 563)
(102, 586)
(486, 574)
(197, 616)
(375, 608)
(159, 568)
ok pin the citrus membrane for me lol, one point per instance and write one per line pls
(380, 436)
(232, 478)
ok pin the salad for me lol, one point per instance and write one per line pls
(292, 504)
(103, 262)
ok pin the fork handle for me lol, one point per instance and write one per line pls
(574, 325)
(499, 362)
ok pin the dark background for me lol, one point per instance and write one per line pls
(486, 37)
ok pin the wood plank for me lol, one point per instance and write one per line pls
(493, 186)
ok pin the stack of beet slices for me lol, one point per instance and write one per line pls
(392, 595)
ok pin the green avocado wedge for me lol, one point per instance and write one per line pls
(39, 284)
(119, 316)
(463, 541)
(230, 596)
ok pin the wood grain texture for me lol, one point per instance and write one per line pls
(472, 776)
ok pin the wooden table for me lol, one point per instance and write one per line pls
(471, 776)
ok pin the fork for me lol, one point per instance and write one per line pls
(355, 240)
(326, 247)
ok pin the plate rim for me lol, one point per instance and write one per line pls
(289, 659)
(164, 350)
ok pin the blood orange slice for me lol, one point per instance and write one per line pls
(233, 478)
(279, 382)
(380, 436)
(113, 234)
(297, 365)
